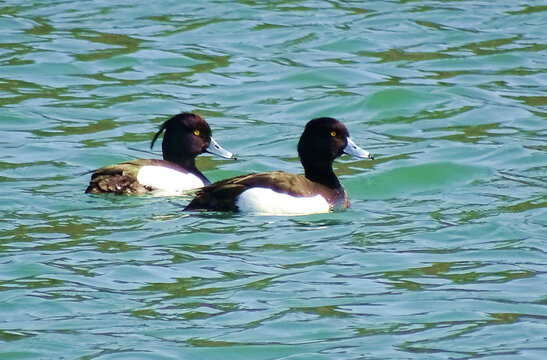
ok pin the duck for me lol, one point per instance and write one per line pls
(187, 135)
(282, 193)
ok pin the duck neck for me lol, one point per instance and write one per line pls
(321, 173)
(188, 164)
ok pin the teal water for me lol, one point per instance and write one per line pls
(442, 254)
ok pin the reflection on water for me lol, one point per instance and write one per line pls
(441, 254)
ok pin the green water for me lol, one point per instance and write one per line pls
(442, 254)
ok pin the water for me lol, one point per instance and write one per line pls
(442, 254)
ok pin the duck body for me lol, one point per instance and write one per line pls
(282, 193)
(186, 136)
(277, 192)
(144, 175)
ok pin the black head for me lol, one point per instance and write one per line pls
(186, 136)
(323, 140)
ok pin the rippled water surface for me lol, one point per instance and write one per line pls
(442, 254)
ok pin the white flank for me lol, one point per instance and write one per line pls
(267, 201)
(169, 181)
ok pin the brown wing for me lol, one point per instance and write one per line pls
(222, 195)
(119, 178)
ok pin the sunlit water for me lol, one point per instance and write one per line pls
(442, 254)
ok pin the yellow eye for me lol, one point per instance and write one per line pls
(196, 132)
(333, 133)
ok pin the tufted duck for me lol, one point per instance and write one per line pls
(280, 193)
(186, 136)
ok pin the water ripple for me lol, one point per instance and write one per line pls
(441, 255)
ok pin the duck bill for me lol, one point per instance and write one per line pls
(215, 149)
(354, 150)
